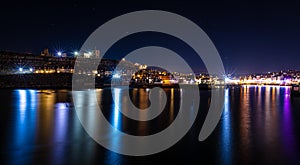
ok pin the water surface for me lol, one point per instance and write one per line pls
(258, 125)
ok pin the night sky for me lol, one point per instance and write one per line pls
(251, 37)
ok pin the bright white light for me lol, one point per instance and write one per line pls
(90, 53)
(59, 53)
(30, 69)
(227, 79)
(116, 75)
(75, 53)
(20, 69)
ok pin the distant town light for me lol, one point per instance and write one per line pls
(116, 75)
(227, 79)
(21, 69)
(30, 69)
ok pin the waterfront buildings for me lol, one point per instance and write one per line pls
(46, 63)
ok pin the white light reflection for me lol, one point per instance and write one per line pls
(116, 110)
(33, 100)
(91, 108)
(22, 104)
(61, 121)
(25, 122)
(226, 131)
(115, 158)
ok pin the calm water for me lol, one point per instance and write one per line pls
(258, 125)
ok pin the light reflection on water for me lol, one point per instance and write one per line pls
(289, 139)
(226, 139)
(244, 108)
(116, 123)
(116, 112)
(25, 121)
(259, 124)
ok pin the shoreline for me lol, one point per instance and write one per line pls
(64, 81)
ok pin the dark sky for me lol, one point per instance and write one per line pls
(250, 36)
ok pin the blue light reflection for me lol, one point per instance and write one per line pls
(116, 110)
(226, 141)
(25, 121)
(114, 158)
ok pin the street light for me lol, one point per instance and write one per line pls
(76, 53)
(59, 53)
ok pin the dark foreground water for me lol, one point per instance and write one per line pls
(258, 125)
